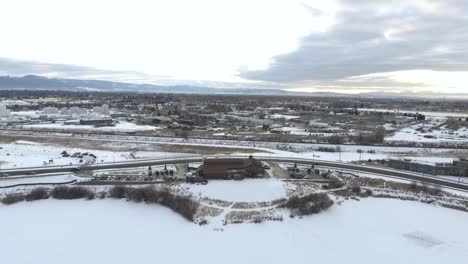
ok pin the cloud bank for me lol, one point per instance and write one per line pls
(372, 37)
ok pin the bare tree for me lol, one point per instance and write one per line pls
(379, 134)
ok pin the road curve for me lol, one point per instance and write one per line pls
(35, 171)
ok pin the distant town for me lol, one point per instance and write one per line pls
(122, 145)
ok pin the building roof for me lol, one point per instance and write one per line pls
(220, 168)
(229, 163)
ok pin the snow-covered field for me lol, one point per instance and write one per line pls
(121, 126)
(281, 116)
(426, 113)
(30, 154)
(248, 190)
(109, 231)
(437, 135)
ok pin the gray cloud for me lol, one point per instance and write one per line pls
(378, 36)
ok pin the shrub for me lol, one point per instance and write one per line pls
(37, 194)
(118, 192)
(356, 189)
(413, 186)
(13, 198)
(326, 149)
(436, 191)
(368, 192)
(310, 204)
(102, 195)
(91, 195)
(67, 193)
(423, 188)
(257, 220)
(335, 183)
(184, 205)
(145, 194)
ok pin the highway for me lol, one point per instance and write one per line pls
(235, 143)
(37, 171)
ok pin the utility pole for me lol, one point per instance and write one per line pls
(313, 159)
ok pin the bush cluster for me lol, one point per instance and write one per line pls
(326, 149)
(118, 192)
(68, 193)
(13, 198)
(335, 183)
(184, 205)
(37, 194)
(310, 204)
(356, 189)
(417, 188)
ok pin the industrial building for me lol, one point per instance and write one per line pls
(97, 122)
(457, 168)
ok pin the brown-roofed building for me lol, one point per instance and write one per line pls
(231, 168)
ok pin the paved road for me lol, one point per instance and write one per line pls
(35, 171)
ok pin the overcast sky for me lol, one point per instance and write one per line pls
(340, 46)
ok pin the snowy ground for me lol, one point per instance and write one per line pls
(281, 116)
(426, 113)
(30, 154)
(369, 231)
(121, 126)
(433, 130)
(436, 135)
(248, 190)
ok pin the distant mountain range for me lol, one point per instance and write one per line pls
(35, 82)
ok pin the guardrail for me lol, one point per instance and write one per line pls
(37, 184)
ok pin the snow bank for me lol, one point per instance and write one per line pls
(59, 178)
